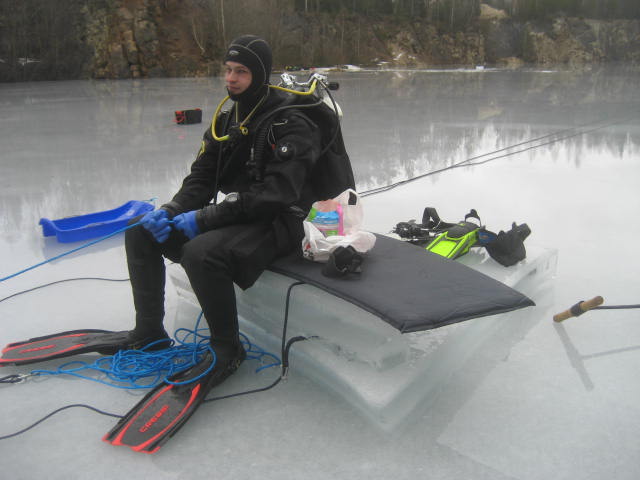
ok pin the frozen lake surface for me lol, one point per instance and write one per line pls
(557, 150)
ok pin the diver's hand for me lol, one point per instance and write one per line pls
(186, 223)
(157, 222)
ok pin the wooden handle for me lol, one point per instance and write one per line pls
(578, 309)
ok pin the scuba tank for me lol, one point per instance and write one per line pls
(291, 84)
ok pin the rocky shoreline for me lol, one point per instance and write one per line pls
(143, 38)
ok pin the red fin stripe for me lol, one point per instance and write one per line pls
(142, 446)
(125, 429)
(43, 355)
(13, 346)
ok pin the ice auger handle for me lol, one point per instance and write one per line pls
(578, 309)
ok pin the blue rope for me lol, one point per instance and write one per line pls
(144, 368)
(70, 252)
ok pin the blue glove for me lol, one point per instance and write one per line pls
(186, 223)
(157, 222)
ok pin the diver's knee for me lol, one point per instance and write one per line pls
(198, 255)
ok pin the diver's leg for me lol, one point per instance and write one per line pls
(207, 264)
(215, 260)
(147, 276)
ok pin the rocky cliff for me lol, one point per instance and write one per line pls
(150, 38)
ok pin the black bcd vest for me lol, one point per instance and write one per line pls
(332, 173)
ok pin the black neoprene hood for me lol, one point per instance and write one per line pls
(254, 53)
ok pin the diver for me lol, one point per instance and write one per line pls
(271, 161)
(234, 240)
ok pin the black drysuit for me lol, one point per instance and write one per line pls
(238, 239)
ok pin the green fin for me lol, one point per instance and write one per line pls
(456, 241)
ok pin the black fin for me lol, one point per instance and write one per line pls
(166, 408)
(59, 345)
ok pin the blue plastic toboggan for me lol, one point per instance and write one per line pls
(91, 225)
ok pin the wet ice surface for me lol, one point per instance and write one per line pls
(541, 401)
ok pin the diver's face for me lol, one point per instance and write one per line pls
(237, 77)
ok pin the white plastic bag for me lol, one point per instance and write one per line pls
(317, 247)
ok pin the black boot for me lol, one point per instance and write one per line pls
(147, 276)
(228, 359)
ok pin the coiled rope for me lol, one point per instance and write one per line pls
(253, 352)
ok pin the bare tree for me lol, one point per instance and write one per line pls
(222, 23)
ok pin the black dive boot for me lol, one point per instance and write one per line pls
(228, 359)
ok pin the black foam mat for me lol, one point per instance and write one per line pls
(411, 288)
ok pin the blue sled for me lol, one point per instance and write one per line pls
(98, 224)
